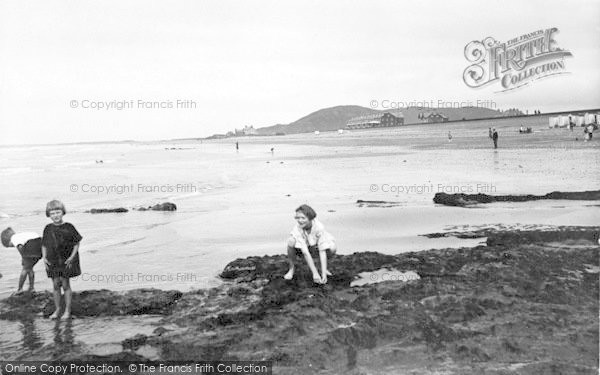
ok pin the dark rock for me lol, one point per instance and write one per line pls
(134, 342)
(94, 303)
(462, 200)
(107, 210)
(166, 206)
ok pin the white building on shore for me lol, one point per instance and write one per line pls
(247, 130)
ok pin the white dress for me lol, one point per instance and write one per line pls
(317, 236)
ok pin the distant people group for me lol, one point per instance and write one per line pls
(58, 247)
(524, 130)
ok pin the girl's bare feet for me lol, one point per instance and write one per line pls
(328, 273)
(289, 275)
(67, 315)
(54, 316)
(317, 278)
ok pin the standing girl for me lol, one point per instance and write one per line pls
(60, 250)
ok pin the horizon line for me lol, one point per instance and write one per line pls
(343, 105)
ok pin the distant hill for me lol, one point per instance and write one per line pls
(333, 118)
(336, 117)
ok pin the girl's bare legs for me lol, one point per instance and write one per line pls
(56, 295)
(311, 264)
(323, 260)
(333, 250)
(291, 251)
(68, 296)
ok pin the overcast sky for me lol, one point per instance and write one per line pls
(262, 62)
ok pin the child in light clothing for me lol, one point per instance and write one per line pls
(29, 245)
(309, 235)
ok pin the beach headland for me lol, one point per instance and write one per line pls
(527, 303)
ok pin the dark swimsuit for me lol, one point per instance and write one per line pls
(59, 241)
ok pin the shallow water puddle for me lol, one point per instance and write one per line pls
(94, 335)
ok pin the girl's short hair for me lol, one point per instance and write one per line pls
(6, 236)
(55, 205)
(307, 211)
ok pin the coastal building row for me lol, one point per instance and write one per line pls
(433, 117)
(247, 130)
(376, 120)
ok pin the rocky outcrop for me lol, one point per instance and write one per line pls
(463, 200)
(473, 310)
(92, 303)
(107, 210)
(496, 236)
(525, 304)
(166, 206)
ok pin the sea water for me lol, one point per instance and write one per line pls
(234, 204)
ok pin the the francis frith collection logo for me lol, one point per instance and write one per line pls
(514, 63)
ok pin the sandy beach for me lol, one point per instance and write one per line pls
(246, 210)
(244, 201)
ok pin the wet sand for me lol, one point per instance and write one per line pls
(525, 302)
(332, 172)
(253, 213)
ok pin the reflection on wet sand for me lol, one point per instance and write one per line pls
(37, 338)
(31, 338)
(63, 336)
(496, 160)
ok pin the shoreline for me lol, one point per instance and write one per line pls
(465, 314)
(541, 118)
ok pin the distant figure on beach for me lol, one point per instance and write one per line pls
(590, 130)
(60, 251)
(490, 132)
(309, 237)
(272, 150)
(237, 146)
(449, 137)
(495, 138)
(522, 129)
(29, 245)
